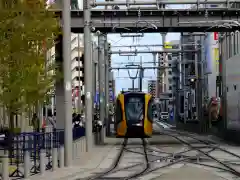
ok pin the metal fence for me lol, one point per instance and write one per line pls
(37, 145)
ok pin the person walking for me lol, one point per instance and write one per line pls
(36, 123)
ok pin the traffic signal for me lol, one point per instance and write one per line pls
(192, 82)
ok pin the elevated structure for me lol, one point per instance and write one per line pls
(164, 20)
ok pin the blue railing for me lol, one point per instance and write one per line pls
(77, 133)
(34, 142)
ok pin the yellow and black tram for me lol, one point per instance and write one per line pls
(134, 115)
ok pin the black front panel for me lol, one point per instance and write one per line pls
(134, 108)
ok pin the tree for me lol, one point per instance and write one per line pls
(24, 26)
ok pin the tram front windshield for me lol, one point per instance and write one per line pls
(134, 109)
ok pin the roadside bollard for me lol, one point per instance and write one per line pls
(5, 172)
(54, 159)
(61, 157)
(42, 163)
(26, 164)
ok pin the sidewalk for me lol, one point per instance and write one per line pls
(84, 165)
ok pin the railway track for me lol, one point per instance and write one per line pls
(114, 168)
(225, 165)
(157, 160)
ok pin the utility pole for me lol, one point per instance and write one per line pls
(88, 74)
(79, 82)
(183, 79)
(223, 73)
(67, 83)
(94, 61)
(106, 50)
(101, 71)
(140, 74)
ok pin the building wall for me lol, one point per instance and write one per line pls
(211, 48)
(152, 87)
(169, 72)
(230, 53)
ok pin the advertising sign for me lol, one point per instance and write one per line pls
(97, 98)
(167, 45)
(216, 58)
(215, 36)
(208, 54)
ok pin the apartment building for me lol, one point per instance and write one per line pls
(152, 87)
(171, 61)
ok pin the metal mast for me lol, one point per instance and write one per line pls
(67, 83)
(101, 72)
(88, 76)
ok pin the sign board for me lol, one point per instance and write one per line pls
(215, 36)
(167, 45)
(171, 115)
(97, 97)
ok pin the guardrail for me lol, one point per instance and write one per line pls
(27, 154)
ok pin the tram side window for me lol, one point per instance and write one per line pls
(235, 87)
(182, 104)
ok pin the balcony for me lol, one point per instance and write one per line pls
(75, 53)
(75, 64)
(75, 74)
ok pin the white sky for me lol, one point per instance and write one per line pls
(151, 38)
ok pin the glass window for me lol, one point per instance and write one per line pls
(134, 108)
(229, 46)
(235, 87)
(238, 43)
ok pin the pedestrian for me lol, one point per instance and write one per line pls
(51, 120)
(36, 123)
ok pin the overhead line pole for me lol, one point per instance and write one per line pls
(67, 83)
(88, 76)
(101, 68)
(107, 125)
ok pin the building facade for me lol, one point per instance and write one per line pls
(152, 87)
(229, 85)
